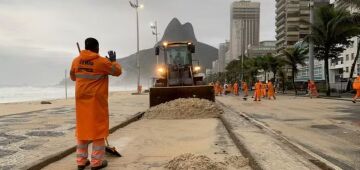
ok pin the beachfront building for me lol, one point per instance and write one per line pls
(264, 48)
(244, 27)
(290, 30)
(223, 49)
(215, 67)
(289, 26)
(340, 70)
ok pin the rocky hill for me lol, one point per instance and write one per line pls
(175, 31)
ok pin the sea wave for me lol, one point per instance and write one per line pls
(29, 93)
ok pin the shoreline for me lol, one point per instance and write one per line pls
(35, 105)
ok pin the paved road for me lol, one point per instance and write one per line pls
(31, 136)
(330, 128)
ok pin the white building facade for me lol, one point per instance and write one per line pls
(223, 49)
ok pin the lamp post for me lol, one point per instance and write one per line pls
(243, 49)
(136, 6)
(154, 28)
(311, 44)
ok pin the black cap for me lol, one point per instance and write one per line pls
(92, 44)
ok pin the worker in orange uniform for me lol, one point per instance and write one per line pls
(257, 94)
(217, 88)
(236, 89)
(91, 71)
(263, 89)
(245, 89)
(312, 89)
(271, 90)
(356, 86)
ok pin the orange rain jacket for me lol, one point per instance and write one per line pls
(271, 90)
(263, 89)
(245, 87)
(258, 90)
(90, 71)
(356, 84)
(236, 88)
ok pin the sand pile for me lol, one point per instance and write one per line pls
(237, 162)
(191, 108)
(200, 162)
(190, 161)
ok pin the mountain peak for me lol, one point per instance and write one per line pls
(174, 22)
(175, 31)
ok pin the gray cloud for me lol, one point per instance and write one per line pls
(41, 34)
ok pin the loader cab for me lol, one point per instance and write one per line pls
(177, 69)
(177, 53)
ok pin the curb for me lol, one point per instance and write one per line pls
(317, 160)
(322, 97)
(58, 156)
(243, 149)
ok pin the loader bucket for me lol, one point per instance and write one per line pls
(160, 95)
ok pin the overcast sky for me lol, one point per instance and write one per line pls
(37, 37)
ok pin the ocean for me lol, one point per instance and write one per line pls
(29, 93)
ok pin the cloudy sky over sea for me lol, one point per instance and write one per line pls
(37, 37)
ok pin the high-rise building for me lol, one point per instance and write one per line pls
(290, 27)
(223, 48)
(244, 28)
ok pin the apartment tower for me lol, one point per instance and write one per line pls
(244, 28)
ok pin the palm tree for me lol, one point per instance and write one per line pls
(294, 57)
(331, 33)
(263, 63)
(275, 64)
(251, 69)
(283, 77)
(353, 4)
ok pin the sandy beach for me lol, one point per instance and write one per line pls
(21, 107)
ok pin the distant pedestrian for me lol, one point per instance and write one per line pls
(356, 86)
(271, 90)
(312, 89)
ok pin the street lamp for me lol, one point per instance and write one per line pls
(154, 28)
(136, 6)
(311, 44)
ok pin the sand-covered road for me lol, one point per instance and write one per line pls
(151, 144)
(330, 128)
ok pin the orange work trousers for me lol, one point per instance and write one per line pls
(97, 155)
(357, 95)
